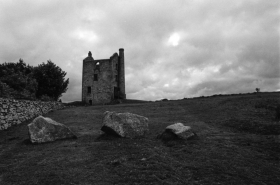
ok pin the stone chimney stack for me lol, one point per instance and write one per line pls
(121, 74)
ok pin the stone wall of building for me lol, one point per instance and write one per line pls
(14, 112)
(101, 88)
(87, 78)
(103, 80)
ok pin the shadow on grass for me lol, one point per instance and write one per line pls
(107, 137)
(170, 139)
(109, 134)
(28, 142)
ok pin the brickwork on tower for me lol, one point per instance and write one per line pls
(103, 80)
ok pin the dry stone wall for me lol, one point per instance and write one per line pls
(14, 112)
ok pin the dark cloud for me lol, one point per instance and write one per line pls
(173, 49)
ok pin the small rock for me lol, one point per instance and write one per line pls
(43, 130)
(119, 161)
(177, 130)
(125, 124)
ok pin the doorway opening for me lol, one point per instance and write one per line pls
(116, 93)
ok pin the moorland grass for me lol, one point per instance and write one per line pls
(237, 143)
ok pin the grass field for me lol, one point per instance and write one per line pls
(238, 143)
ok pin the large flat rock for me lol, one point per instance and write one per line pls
(125, 124)
(43, 129)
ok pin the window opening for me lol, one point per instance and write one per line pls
(89, 90)
(116, 78)
(97, 66)
(95, 77)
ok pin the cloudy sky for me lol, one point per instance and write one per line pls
(173, 48)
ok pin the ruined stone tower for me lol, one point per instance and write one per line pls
(103, 80)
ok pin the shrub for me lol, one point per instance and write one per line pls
(6, 91)
(46, 98)
(21, 81)
(51, 80)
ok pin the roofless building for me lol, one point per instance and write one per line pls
(103, 80)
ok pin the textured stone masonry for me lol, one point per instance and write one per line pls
(14, 112)
(103, 80)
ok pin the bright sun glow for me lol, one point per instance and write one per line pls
(174, 39)
(84, 35)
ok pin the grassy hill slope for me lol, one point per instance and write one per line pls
(238, 143)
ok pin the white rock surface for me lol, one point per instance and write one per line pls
(182, 131)
(125, 124)
(43, 129)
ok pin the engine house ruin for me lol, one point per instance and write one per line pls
(103, 80)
